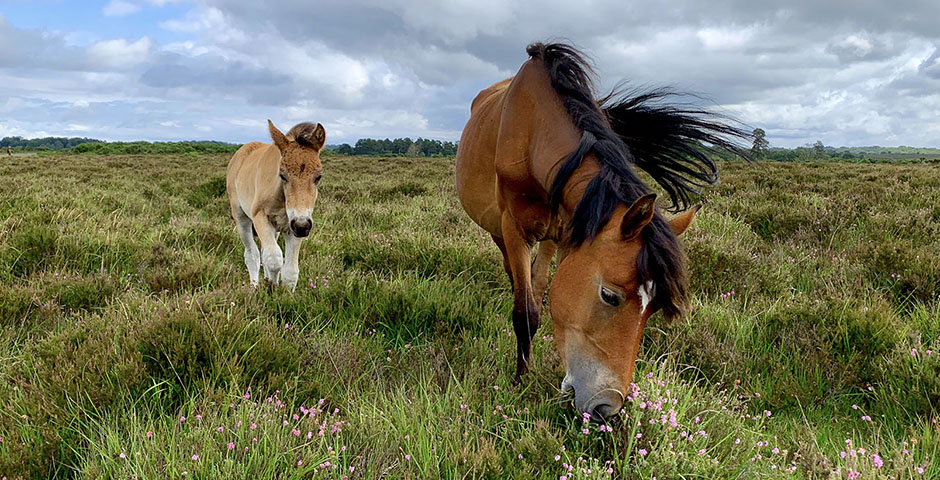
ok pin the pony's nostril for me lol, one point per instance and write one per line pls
(603, 411)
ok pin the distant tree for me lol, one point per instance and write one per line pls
(759, 150)
(819, 150)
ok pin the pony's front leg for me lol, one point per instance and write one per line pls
(271, 256)
(526, 312)
(252, 255)
(540, 267)
(291, 260)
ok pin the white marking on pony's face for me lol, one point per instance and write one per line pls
(293, 214)
(646, 292)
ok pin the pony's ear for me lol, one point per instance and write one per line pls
(681, 223)
(279, 139)
(638, 216)
(318, 137)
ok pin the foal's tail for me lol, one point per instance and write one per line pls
(675, 144)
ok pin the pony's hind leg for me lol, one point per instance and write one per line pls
(252, 255)
(291, 260)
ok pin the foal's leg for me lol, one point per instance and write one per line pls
(525, 311)
(271, 256)
(252, 255)
(543, 260)
(291, 259)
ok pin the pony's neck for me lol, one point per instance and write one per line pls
(577, 184)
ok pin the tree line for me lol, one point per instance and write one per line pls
(131, 148)
(422, 147)
(45, 143)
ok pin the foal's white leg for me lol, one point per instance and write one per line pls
(252, 255)
(271, 256)
(291, 259)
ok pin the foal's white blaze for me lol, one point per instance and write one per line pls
(646, 294)
(293, 214)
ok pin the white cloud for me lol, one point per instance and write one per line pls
(119, 54)
(726, 38)
(118, 8)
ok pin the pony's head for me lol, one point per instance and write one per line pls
(601, 297)
(300, 171)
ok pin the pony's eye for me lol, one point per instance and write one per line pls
(317, 180)
(283, 178)
(609, 297)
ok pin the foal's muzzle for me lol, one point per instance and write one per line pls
(300, 227)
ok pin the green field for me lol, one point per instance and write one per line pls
(132, 346)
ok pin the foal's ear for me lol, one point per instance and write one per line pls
(638, 216)
(318, 137)
(279, 139)
(682, 222)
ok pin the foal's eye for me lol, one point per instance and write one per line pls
(317, 180)
(609, 297)
(283, 178)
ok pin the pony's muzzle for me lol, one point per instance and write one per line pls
(604, 405)
(300, 227)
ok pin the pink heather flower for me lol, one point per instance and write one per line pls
(253, 426)
(300, 462)
(853, 474)
(495, 387)
(866, 418)
(231, 445)
(854, 407)
(407, 457)
(584, 431)
(557, 457)
(913, 352)
(149, 434)
(220, 429)
(239, 424)
(737, 441)
(877, 461)
(198, 417)
(639, 435)
(775, 450)
(643, 452)
(195, 457)
(295, 432)
(767, 413)
(121, 455)
(182, 419)
(920, 470)
(701, 452)
(286, 326)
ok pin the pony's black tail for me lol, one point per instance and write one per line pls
(674, 144)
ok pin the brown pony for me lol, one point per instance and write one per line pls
(540, 160)
(271, 190)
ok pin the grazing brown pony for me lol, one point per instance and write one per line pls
(542, 161)
(272, 190)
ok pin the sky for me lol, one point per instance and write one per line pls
(847, 73)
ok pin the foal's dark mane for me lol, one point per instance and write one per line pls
(624, 129)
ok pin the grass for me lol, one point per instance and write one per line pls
(811, 351)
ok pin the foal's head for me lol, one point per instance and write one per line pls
(600, 301)
(300, 171)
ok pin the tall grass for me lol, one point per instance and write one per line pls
(134, 348)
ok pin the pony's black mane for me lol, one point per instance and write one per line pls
(629, 128)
